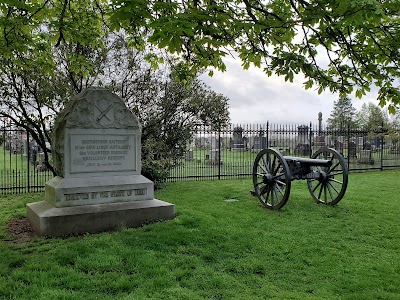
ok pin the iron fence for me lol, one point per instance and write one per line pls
(230, 152)
(212, 153)
(22, 166)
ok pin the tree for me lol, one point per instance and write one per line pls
(395, 120)
(358, 38)
(371, 117)
(40, 70)
(167, 109)
(394, 129)
(180, 109)
(342, 115)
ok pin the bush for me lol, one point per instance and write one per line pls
(154, 166)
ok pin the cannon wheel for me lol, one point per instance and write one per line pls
(271, 179)
(331, 185)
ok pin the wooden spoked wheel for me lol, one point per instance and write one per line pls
(271, 179)
(331, 185)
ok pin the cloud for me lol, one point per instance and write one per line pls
(257, 98)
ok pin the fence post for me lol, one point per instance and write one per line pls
(28, 158)
(310, 140)
(267, 146)
(219, 152)
(382, 134)
(348, 142)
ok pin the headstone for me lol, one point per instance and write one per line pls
(214, 157)
(338, 145)
(394, 149)
(258, 142)
(319, 122)
(352, 149)
(33, 151)
(237, 140)
(302, 149)
(303, 146)
(40, 163)
(213, 143)
(96, 151)
(303, 134)
(366, 157)
(367, 146)
(189, 155)
(320, 138)
(319, 141)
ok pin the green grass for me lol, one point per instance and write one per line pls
(217, 249)
(233, 163)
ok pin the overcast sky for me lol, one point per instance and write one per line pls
(256, 98)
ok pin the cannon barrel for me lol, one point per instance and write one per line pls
(308, 161)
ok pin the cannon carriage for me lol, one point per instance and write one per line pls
(326, 174)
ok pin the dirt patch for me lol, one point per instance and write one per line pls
(20, 228)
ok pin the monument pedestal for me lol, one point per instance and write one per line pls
(76, 191)
(48, 220)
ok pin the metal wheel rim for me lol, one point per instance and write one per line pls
(274, 193)
(332, 188)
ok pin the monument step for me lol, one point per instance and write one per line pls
(47, 220)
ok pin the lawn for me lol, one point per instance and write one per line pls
(221, 245)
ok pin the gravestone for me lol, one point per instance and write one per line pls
(214, 155)
(352, 147)
(320, 138)
(367, 146)
(259, 143)
(214, 143)
(96, 153)
(394, 149)
(303, 146)
(40, 164)
(338, 145)
(366, 157)
(238, 141)
(189, 155)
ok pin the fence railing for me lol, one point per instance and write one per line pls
(217, 154)
(21, 163)
(230, 152)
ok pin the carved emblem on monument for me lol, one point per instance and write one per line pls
(103, 112)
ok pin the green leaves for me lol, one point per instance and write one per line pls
(357, 38)
(337, 45)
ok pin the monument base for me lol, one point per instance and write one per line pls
(48, 220)
(65, 192)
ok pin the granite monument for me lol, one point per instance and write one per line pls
(96, 151)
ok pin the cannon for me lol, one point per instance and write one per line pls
(326, 174)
